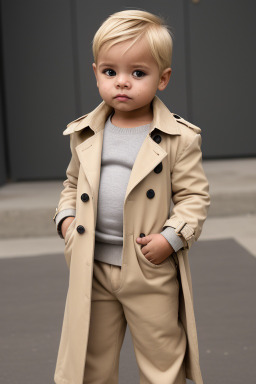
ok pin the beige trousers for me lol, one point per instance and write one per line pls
(147, 297)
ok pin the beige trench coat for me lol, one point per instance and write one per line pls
(182, 179)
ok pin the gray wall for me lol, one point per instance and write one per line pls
(49, 79)
(39, 85)
(222, 61)
(3, 159)
(3, 162)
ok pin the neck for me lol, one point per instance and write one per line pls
(131, 119)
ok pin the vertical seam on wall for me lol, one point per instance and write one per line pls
(75, 56)
(3, 103)
(187, 59)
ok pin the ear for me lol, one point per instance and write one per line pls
(95, 71)
(164, 79)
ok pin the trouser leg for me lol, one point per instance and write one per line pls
(151, 310)
(107, 327)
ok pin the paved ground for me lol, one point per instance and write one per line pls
(33, 290)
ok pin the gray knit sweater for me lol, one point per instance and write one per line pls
(119, 151)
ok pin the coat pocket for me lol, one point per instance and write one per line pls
(167, 262)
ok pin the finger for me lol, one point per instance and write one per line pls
(145, 251)
(142, 240)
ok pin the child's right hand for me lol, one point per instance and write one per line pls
(65, 224)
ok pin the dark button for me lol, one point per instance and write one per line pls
(150, 193)
(85, 197)
(157, 139)
(158, 168)
(176, 116)
(80, 229)
(142, 235)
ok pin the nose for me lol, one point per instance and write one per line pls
(122, 81)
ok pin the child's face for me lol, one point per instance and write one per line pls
(129, 81)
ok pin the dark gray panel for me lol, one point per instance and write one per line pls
(2, 145)
(222, 71)
(2, 141)
(89, 18)
(40, 95)
(2, 161)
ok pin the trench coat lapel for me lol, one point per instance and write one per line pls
(149, 156)
(89, 154)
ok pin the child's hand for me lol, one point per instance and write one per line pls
(155, 247)
(65, 224)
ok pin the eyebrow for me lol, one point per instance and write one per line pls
(106, 65)
(138, 65)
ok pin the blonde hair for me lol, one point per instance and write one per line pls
(132, 25)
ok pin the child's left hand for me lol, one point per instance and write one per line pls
(155, 247)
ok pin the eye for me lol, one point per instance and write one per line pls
(138, 73)
(109, 72)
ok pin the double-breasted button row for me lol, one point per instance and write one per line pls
(80, 228)
(157, 138)
(151, 193)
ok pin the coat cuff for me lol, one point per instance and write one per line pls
(60, 216)
(182, 229)
(172, 237)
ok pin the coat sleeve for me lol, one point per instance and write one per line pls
(190, 193)
(67, 201)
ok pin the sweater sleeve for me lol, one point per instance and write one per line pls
(171, 236)
(60, 218)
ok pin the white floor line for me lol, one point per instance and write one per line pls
(27, 247)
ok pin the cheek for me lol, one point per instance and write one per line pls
(146, 89)
(104, 85)
(150, 84)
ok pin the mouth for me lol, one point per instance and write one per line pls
(122, 97)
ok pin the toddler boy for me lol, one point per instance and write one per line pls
(124, 244)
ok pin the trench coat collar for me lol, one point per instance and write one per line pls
(163, 119)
